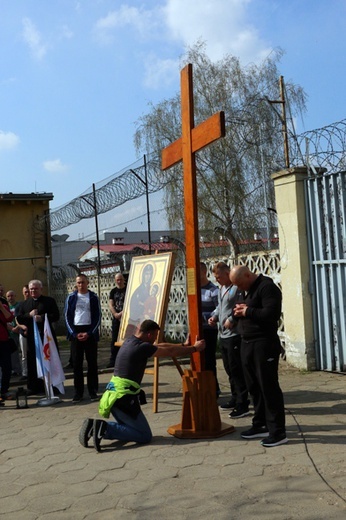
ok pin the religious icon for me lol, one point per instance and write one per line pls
(147, 292)
(150, 304)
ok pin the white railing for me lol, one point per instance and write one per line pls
(176, 325)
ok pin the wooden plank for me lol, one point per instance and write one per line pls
(172, 154)
(209, 131)
(202, 135)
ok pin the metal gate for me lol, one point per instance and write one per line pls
(326, 218)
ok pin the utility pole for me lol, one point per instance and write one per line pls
(284, 121)
(282, 102)
(145, 183)
(98, 268)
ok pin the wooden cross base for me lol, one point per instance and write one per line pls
(200, 415)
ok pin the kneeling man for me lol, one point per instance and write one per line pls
(122, 394)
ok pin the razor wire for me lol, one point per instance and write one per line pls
(321, 148)
(128, 184)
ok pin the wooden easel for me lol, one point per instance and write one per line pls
(200, 414)
(155, 372)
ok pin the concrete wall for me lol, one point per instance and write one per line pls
(297, 301)
(24, 241)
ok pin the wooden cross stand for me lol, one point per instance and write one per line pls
(200, 415)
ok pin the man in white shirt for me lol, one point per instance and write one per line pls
(83, 318)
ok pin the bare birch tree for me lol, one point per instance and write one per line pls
(234, 183)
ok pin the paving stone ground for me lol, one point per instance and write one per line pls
(46, 474)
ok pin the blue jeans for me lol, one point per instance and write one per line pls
(127, 428)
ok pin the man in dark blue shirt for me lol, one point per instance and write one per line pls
(209, 302)
(130, 422)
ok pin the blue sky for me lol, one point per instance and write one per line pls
(76, 75)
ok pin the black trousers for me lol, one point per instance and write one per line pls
(78, 350)
(230, 350)
(34, 384)
(260, 360)
(115, 332)
(210, 337)
(5, 365)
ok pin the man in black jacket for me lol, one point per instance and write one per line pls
(35, 308)
(116, 305)
(257, 312)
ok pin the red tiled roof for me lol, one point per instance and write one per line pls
(128, 248)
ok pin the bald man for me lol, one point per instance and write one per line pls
(257, 311)
(116, 305)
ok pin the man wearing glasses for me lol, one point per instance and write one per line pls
(35, 308)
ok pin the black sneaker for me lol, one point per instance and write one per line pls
(94, 397)
(77, 398)
(239, 412)
(86, 432)
(110, 365)
(255, 433)
(274, 441)
(229, 405)
(99, 429)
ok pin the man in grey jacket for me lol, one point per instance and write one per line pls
(230, 342)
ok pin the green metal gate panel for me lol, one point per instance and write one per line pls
(326, 218)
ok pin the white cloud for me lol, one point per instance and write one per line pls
(8, 141)
(33, 38)
(159, 72)
(55, 166)
(66, 32)
(222, 24)
(142, 21)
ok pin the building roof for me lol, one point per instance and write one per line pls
(26, 196)
(128, 248)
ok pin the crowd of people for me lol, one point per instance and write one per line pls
(240, 315)
(17, 349)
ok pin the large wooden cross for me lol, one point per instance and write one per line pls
(200, 415)
(184, 149)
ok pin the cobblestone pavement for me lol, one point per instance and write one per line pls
(47, 475)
